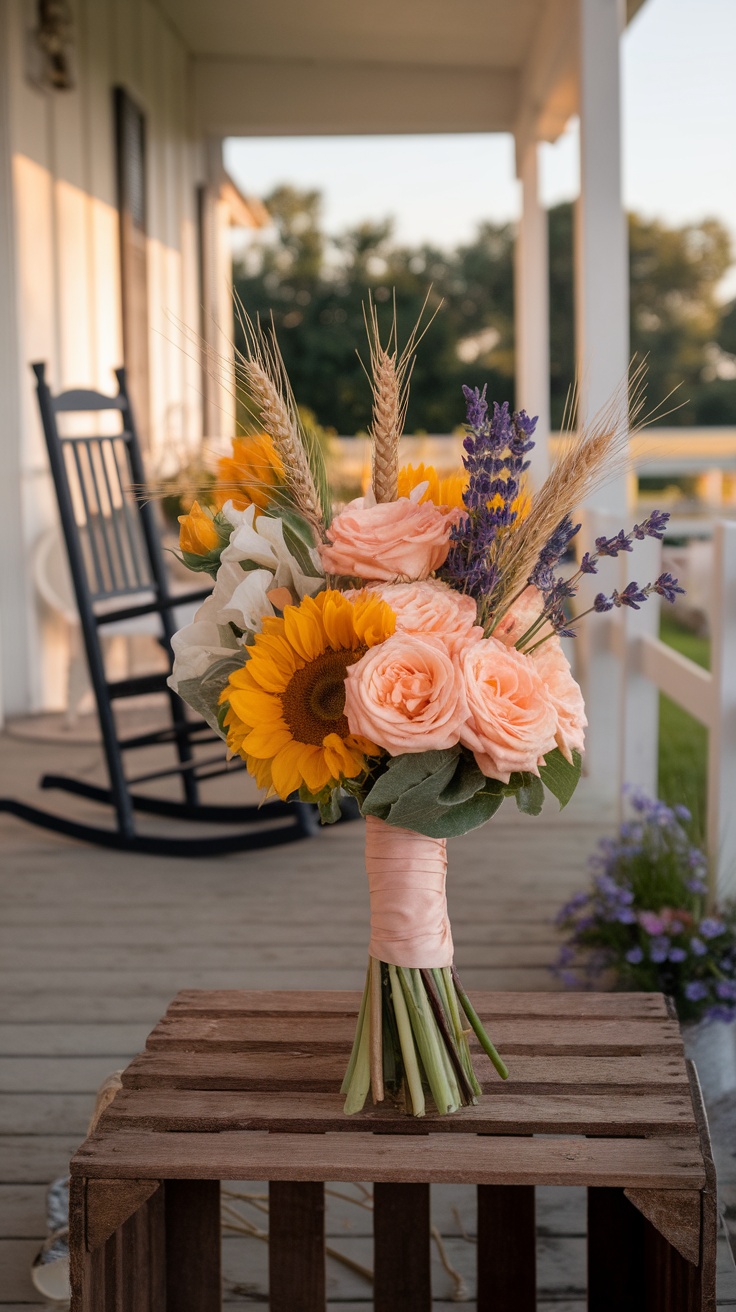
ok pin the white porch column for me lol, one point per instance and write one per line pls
(217, 298)
(531, 291)
(602, 342)
(601, 246)
(15, 666)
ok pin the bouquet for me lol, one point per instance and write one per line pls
(405, 651)
(645, 917)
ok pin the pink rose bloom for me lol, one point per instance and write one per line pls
(406, 694)
(554, 667)
(565, 696)
(512, 722)
(392, 540)
(520, 617)
(433, 608)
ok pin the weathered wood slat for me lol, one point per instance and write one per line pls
(545, 1036)
(314, 1072)
(504, 1113)
(235, 1155)
(241, 1002)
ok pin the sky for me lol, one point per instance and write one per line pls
(679, 146)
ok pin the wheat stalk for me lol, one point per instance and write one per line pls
(262, 372)
(389, 376)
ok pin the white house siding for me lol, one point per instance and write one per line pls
(59, 278)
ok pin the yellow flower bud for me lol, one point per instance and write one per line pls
(197, 533)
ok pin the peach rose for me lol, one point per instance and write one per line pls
(525, 610)
(391, 540)
(406, 694)
(565, 696)
(554, 667)
(512, 722)
(430, 607)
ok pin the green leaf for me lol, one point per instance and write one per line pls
(559, 776)
(404, 773)
(453, 821)
(329, 807)
(418, 806)
(203, 694)
(530, 797)
(208, 564)
(467, 780)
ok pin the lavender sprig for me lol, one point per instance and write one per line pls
(556, 591)
(496, 448)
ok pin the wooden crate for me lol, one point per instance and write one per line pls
(244, 1086)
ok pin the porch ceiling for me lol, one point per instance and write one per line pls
(273, 67)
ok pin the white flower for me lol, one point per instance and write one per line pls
(255, 561)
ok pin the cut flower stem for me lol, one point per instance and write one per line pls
(411, 1039)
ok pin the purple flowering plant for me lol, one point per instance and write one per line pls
(496, 449)
(644, 917)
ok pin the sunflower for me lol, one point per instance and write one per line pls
(250, 475)
(448, 491)
(286, 706)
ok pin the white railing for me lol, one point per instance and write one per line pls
(624, 666)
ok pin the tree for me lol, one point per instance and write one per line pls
(316, 286)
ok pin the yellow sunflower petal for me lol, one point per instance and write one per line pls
(363, 745)
(304, 630)
(266, 741)
(286, 770)
(317, 773)
(256, 707)
(338, 620)
(340, 760)
(373, 618)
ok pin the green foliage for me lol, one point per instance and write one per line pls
(203, 694)
(683, 741)
(316, 285)
(445, 794)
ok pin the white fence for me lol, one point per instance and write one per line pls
(624, 666)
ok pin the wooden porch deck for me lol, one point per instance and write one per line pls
(94, 944)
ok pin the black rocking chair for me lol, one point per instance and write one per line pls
(118, 573)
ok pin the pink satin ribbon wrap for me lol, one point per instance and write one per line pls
(406, 879)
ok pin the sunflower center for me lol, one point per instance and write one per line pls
(314, 701)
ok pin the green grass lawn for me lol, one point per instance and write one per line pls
(683, 742)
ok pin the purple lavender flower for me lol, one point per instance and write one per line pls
(682, 813)
(612, 546)
(602, 603)
(588, 564)
(653, 526)
(634, 956)
(698, 947)
(696, 990)
(677, 954)
(719, 1012)
(711, 928)
(632, 596)
(495, 451)
(667, 587)
(659, 949)
(726, 990)
(626, 916)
